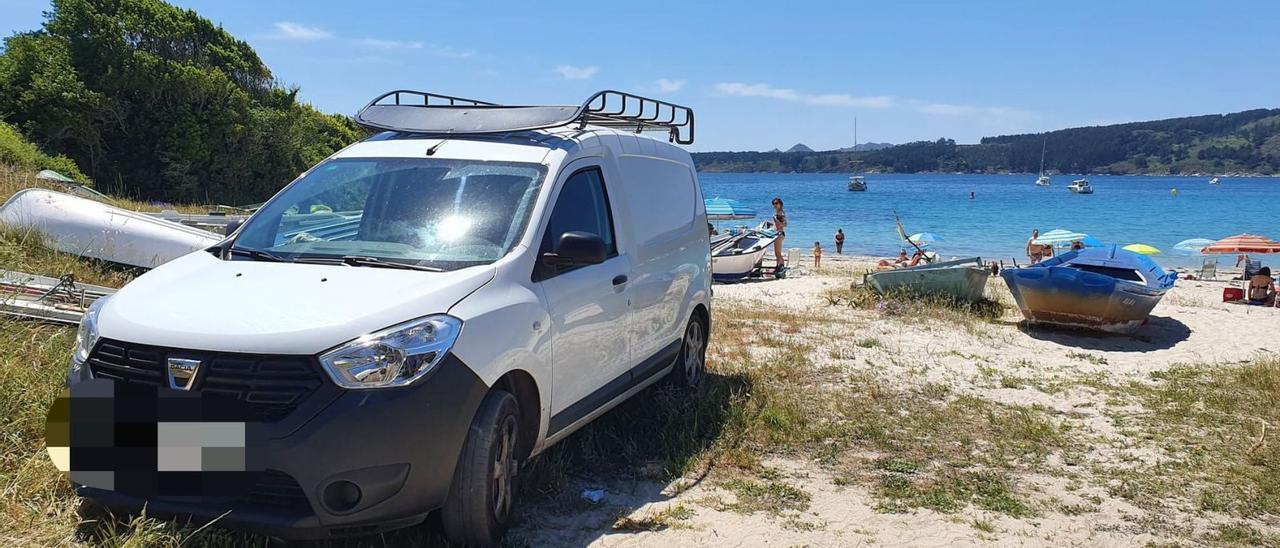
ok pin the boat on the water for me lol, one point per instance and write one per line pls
(857, 183)
(1043, 180)
(1214, 181)
(963, 279)
(96, 230)
(739, 254)
(1101, 288)
(1080, 186)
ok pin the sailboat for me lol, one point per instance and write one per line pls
(856, 183)
(1044, 179)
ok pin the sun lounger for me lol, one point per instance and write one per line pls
(1209, 271)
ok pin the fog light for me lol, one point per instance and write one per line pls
(341, 496)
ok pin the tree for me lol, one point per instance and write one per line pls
(157, 102)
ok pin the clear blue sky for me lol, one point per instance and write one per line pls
(771, 74)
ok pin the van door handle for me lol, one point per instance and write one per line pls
(620, 279)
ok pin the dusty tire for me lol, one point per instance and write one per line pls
(691, 363)
(478, 509)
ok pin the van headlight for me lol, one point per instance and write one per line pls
(395, 356)
(86, 338)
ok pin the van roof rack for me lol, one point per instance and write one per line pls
(420, 112)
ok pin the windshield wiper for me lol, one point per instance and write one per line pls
(256, 254)
(359, 260)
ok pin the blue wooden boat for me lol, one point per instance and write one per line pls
(1102, 288)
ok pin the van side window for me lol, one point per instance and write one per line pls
(582, 205)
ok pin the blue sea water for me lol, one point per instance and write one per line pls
(997, 222)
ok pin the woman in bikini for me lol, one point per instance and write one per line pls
(779, 224)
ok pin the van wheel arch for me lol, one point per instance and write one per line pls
(520, 383)
(701, 311)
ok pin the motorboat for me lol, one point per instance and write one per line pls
(99, 231)
(1214, 181)
(857, 183)
(1103, 288)
(1080, 186)
(963, 279)
(739, 253)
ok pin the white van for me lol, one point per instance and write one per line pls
(416, 315)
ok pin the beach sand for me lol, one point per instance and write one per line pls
(1053, 371)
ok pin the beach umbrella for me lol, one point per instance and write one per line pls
(724, 209)
(1143, 249)
(1192, 246)
(1243, 243)
(925, 238)
(1059, 236)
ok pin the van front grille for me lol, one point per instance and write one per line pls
(271, 385)
(279, 491)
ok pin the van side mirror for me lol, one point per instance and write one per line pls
(577, 248)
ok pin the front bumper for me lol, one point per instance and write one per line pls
(398, 447)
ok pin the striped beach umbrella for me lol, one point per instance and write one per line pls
(724, 209)
(1059, 236)
(1243, 243)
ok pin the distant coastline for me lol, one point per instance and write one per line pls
(1241, 144)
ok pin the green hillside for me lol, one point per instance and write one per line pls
(156, 102)
(1240, 143)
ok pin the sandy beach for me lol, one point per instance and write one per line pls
(1112, 484)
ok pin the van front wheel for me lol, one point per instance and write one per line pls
(478, 509)
(691, 363)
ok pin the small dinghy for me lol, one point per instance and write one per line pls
(96, 230)
(963, 279)
(1101, 288)
(737, 255)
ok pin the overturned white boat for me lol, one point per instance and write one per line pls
(737, 255)
(96, 230)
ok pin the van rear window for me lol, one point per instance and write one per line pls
(663, 195)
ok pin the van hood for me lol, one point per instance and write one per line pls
(200, 302)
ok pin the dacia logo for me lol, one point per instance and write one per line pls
(182, 373)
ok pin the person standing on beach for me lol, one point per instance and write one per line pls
(780, 225)
(817, 254)
(839, 241)
(1034, 251)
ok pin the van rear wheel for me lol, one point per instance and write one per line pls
(478, 509)
(691, 363)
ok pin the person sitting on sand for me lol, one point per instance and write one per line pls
(1262, 289)
(1077, 245)
(916, 258)
(817, 254)
(901, 260)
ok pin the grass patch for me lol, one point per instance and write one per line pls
(1215, 429)
(917, 306)
(671, 517)
(773, 496)
(1087, 357)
